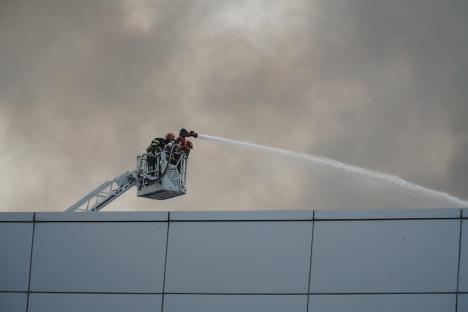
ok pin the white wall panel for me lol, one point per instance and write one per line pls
(127, 216)
(16, 216)
(238, 257)
(464, 258)
(99, 257)
(235, 303)
(15, 253)
(462, 303)
(385, 256)
(94, 303)
(242, 215)
(382, 303)
(13, 302)
(235, 261)
(379, 214)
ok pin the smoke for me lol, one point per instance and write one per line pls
(85, 85)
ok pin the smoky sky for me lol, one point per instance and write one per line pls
(85, 85)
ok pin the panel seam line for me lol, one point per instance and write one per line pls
(31, 261)
(459, 259)
(310, 261)
(165, 261)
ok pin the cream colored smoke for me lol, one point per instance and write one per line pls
(85, 85)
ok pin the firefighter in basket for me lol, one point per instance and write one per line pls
(156, 146)
(169, 143)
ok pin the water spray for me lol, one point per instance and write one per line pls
(350, 168)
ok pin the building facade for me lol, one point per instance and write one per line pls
(304, 261)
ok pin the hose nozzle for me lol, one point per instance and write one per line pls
(185, 134)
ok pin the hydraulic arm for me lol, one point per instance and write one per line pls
(106, 193)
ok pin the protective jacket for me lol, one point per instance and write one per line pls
(157, 145)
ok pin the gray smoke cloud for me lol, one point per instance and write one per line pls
(85, 85)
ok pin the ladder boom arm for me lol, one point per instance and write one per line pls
(106, 193)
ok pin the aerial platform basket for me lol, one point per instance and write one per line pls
(163, 175)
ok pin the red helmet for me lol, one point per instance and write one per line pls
(170, 136)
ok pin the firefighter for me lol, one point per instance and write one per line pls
(156, 146)
(185, 145)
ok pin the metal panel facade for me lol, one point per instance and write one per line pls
(238, 257)
(235, 261)
(13, 302)
(235, 303)
(15, 253)
(463, 283)
(385, 256)
(99, 257)
(383, 303)
(462, 303)
(94, 303)
(388, 214)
